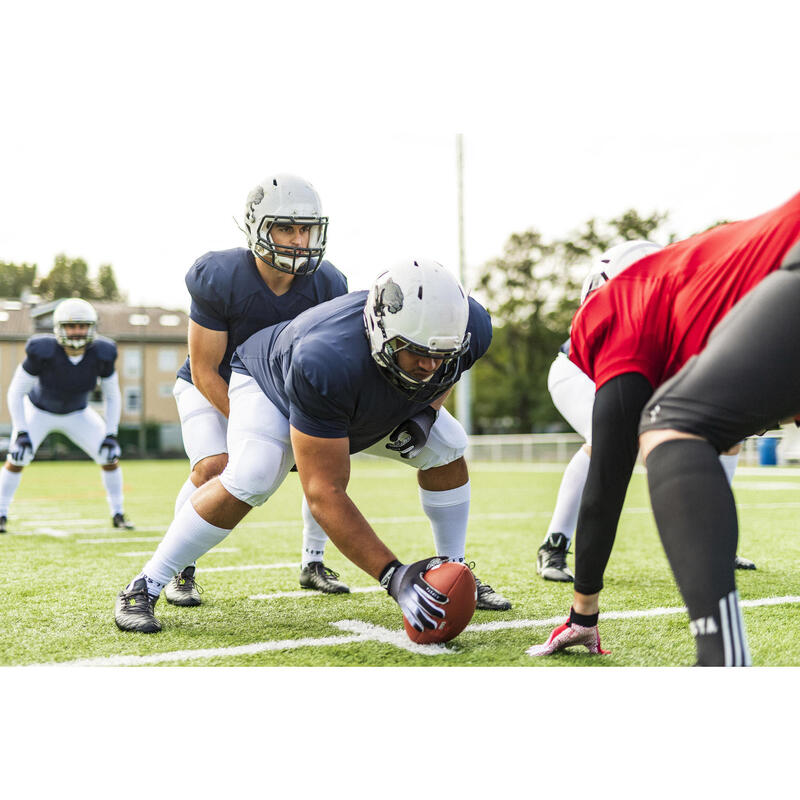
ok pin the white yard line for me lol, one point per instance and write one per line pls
(366, 632)
(310, 593)
(150, 552)
(243, 568)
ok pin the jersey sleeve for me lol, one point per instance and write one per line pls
(37, 351)
(479, 326)
(315, 407)
(209, 306)
(106, 357)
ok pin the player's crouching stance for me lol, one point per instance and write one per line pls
(50, 392)
(364, 372)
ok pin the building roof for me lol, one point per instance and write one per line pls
(118, 321)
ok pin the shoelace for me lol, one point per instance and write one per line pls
(189, 583)
(483, 588)
(330, 573)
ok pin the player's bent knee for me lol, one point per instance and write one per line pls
(257, 470)
(649, 440)
(208, 468)
(13, 466)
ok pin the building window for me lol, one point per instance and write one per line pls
(133, 400)
(167, 359)
(169, 320)
(132, 360)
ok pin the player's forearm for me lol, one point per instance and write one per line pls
(615, 424)
(21, 384)
(212, 387)
(113, 403)
(349, 531)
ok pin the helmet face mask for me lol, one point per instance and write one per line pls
(286, 200)
(419, 308)
(74, 311)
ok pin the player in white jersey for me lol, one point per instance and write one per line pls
(50, 392)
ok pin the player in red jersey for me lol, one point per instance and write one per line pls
(632, 335)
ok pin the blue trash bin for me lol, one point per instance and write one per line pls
(767, 451)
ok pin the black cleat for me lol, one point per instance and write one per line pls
(317, 576)
(3, 523)
(743, 563)
(119, 521)
(551, 560)
(134, 609)
(488, 598)
(183, 590)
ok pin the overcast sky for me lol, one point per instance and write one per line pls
(133, 136)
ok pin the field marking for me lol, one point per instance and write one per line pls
(121, 540)
(367, 632)
(150, 552)
(312, 593)
(360, 632)
(245, 567)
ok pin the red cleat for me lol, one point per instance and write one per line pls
(565, 636)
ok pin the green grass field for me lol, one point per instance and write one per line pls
(62, 565)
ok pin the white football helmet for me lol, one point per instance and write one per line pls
(418, 305)
(288, 200)
(613, 261)
(74, 311)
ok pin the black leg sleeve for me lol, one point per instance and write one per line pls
(696, 517)
(618, 405)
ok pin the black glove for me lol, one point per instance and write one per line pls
(21, 444)
(112, 448)
(415, 596)
(409, 437)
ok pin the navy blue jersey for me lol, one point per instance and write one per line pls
(319, 371)
(229, 294)
(63, 386)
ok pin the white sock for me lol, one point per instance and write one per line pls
(568, 502)
(9, 481)
(187, 538)
(184, 494)
(729, 465)
(448, 512)
(314, 538)
(112, 480)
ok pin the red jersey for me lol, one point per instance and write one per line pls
(659, 312)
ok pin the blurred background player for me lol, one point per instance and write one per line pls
(573, 395)
(50, 392)
(631, 336)
(234, 294)
(365, 372)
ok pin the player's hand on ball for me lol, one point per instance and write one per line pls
(420, 603)
(409, 437)
(21, 444)
(111, 447)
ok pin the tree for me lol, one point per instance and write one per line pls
(16, 278)
(532, 292)
(69, 277)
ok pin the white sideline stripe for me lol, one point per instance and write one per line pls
(246, 567)
(121, 540)
(310, 593)
(150, 552)
(362, 632)
(366, 632)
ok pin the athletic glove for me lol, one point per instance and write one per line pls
(409, 437)
(21, 444)
(415, 596)
(569, 635)
(112, 448)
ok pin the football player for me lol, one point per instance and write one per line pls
(573, 395)
(50, 392)
(367, 372)
(633, 335)
(234, 294)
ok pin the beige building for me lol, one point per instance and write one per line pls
(152, 345)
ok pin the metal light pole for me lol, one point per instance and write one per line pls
(464, 388)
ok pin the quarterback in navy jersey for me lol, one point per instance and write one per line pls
(365, 372)
(234, 294)
(50, 392)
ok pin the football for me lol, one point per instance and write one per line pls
(458, 583)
